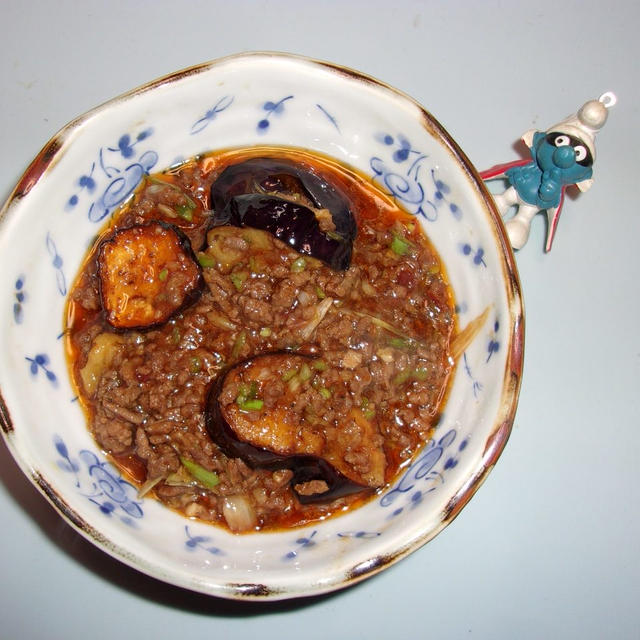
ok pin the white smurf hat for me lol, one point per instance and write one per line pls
(588, 121)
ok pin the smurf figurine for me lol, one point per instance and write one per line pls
(561, 156)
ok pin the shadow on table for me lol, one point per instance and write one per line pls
(100, 563)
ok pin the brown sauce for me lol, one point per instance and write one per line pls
(382, 330)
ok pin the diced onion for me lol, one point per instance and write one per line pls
(320, 312)
(239, 513)
(103, 350)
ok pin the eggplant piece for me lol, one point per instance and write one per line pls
(249, 416)
(293, 224)
(146, 274)
(291, 202)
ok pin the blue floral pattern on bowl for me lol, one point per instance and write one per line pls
(403, 178)
(122, 165)
(100, 483)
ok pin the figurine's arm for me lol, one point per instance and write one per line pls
(584, 185)
(527, 137)
(498, 170)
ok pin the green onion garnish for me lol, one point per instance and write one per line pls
(194, 365)
(288, 374)
(253, 404)
(205, 477)
(238, 279)
(185, 212)
(402, 343)
(162, 276)
(402, 377)
(305, 372)
(399, 245)
(421, 373)
(298, 265)
(205, 260)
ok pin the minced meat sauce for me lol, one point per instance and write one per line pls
(275, 350)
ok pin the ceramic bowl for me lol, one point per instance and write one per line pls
(95, 163)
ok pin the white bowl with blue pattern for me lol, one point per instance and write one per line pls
(94, 164)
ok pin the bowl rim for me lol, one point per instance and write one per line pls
(512, 371)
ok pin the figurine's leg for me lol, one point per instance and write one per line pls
(519, 226)
(504, 201)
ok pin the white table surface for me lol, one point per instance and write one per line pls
(548, 546)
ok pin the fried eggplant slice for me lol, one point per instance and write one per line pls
(293, 224)
(147, 273)
(267, 411)
(290, 201)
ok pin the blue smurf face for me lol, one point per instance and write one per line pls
(564, 154)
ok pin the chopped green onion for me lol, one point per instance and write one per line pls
(325, 393)
(305, 372)
(402, 377)
(399, 245)
(320, 293)
(175, 335)
(205, 260)
(369, 413)
(195, 365)
(319, 365)
(162, 276)
(298, 265)
(402, 343)
(185, 212)
(247, 398)
(265, 332)
(243, 393)
(288, 374)
(252, 404)
(205, 477)
(238, 279)
(421, 373)
(255, 265)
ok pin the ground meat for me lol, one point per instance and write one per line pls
(255, 312)
(379, 329)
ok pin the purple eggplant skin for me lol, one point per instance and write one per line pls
(293, 224)
(304, 467)
(275, 179)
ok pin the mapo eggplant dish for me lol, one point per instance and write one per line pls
(261, 338)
